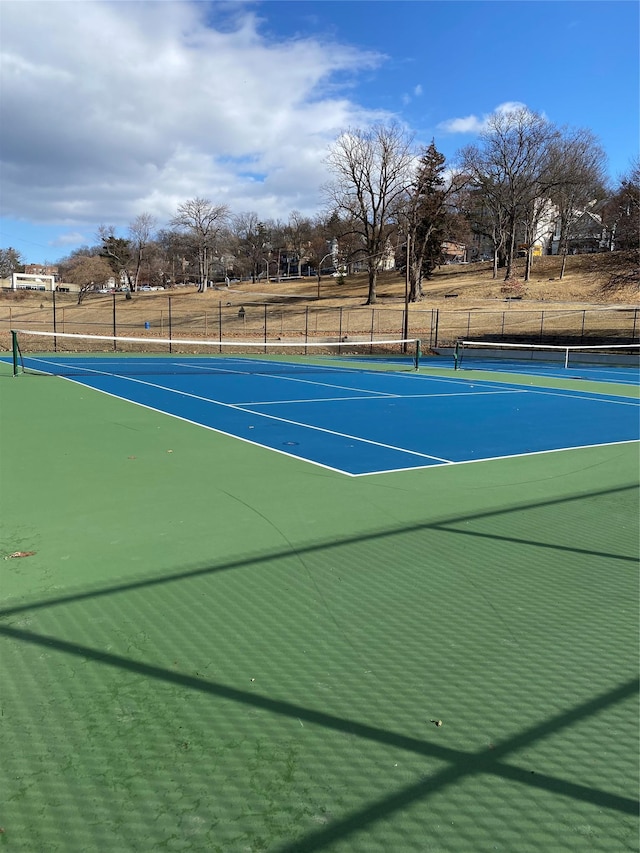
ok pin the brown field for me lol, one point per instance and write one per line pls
(459, 301)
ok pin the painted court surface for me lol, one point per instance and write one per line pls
(412, 627)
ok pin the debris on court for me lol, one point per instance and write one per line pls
(20, 554)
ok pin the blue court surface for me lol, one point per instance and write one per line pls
(593, 373)
(365, 421)
(628, 375)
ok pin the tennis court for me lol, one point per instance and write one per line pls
(412, 627)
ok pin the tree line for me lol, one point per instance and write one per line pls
(384, 196)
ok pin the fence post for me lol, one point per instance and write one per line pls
(373, 322)
(502, 329)
(220, 324)
(265, 326)
(541, 325)
(635, 320)
(340, 328)
(435, 342)
(469, 325)
(170, 327)
(115, 343)
(306, 328)
(55, 339)
(584, 314)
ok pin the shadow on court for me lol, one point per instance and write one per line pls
(498, 761)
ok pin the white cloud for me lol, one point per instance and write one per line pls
(69, 238)
(474, 124)
(137, 107)
(417, 91)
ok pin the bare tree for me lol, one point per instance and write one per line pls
(251, 243)
(578, 161)
(201, 222)
(140, 236)
(511, 167)
(298, 235)
(486, 217)
(622, 212)
(371, 170)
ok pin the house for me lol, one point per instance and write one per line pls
(41, 269)
(454, 252)
(587, 234)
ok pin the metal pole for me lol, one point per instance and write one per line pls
(265, 326)
(405, 331)
(306, 329)
(15, 351)
(435, 342)
(55, 339)
(170, 327)
(220, 325)
(115, 343)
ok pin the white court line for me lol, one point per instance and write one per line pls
(217, 430)
(499, 458)
(586, 395)
(295, 379)
(440, 462)
(378, 399)
(255, 414)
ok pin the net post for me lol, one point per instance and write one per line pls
(566, 358)
(416, 359)
(456, 355)
(14, 351)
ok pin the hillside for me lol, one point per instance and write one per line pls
(459, 301)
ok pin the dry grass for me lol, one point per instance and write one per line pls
(466, 298)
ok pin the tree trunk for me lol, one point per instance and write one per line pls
(415, 280)
(510, 250)
(373, 277)
(527, 264)
(564, 262)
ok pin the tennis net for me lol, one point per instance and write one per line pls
(75, 354)
(489, 353)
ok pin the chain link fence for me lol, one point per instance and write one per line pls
(175, 317)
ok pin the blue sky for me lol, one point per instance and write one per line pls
(137, 107)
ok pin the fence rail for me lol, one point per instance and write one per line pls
(436, 327)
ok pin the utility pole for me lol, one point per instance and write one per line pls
(405, 333)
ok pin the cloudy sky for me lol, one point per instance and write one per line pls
(112, 109)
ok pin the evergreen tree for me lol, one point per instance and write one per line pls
(426, 218)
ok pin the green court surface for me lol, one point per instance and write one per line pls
(215, 647)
